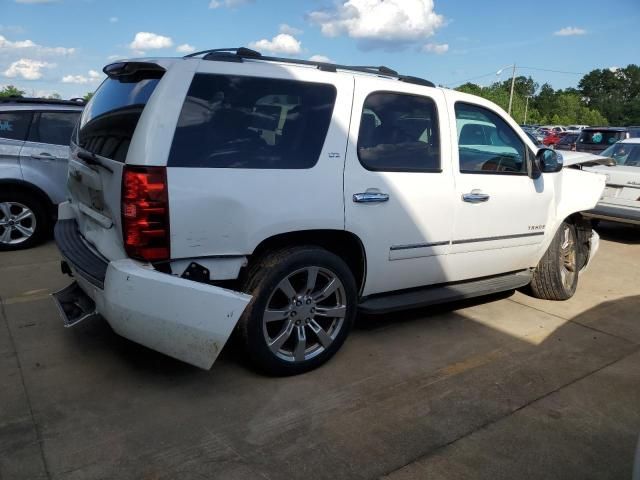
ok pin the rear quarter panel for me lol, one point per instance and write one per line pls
(229, 211)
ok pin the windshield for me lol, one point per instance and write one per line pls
(111, 116)
(626, 154)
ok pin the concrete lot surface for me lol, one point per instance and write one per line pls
(504, 387)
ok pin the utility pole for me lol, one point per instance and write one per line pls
(513, 82)
(526, 107)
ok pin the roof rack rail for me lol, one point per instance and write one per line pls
(78, 102)
(240, 53)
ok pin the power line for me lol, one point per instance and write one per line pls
(554, 71)
(460, 82)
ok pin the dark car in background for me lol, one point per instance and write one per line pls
(568, 141)
(596, 139)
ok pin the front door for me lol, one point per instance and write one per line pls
(398, 185)
(501, 213)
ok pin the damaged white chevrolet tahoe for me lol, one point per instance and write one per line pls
(228, 190)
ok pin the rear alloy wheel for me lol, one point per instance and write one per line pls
(556, 276)
(22, 221)
(303, 307)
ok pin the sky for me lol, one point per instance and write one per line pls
(61, 46)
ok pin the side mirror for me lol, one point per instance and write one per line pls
(549, 161)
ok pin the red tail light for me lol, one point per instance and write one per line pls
(145, 213)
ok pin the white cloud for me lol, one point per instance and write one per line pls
(284, 28)
(228, 3)
(185, 48)
(115, 57)
(380, 22)
(33, 48)
(150, 41)
(281, 43)
(27, 68)
(437, 48)
(92, 77)
(113, 19)
(320, 58)
(569, 31)
(35, 2)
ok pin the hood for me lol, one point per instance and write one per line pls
(585, 159)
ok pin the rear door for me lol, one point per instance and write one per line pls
(398, 184)
(45, 154)
(14, 126)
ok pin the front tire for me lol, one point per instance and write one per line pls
(556, 276)
(303, 306)
(23, 221)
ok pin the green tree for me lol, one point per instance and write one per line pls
(11, 91)
(87, 96)
(614, 92)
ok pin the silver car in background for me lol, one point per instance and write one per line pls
(34, 149)
(620, 200)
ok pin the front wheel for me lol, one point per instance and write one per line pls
(556, 276)
(303, 306)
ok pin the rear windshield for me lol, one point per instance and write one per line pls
(111, 116)
(249, 122)
(600, 137)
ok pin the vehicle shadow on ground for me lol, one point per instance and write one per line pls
(619, 232)
(434, 375)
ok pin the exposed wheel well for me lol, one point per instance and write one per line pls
(21, 186)
(344, 244)
(583, 233)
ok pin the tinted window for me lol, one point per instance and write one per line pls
(14, 125)
(568, 138)
(248, 122)
(600, 137)
(486, 143)
(111, 116)
(399, 132)
(54, 127)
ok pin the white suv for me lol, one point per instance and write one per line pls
(227, 190)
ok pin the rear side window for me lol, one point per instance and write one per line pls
(110, 118)
(399, 132)
(248, 122)
(600, 137)
(14, 125)
(54, 127)
(486, 143)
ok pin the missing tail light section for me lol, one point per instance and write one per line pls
(145, 213)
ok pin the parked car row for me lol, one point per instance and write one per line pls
(581, 138)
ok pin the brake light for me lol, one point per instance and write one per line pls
(145, 213)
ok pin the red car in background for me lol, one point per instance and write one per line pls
(553, 138)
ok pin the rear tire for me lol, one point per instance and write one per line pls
(556, 276)
(23, 221)
(303, 306)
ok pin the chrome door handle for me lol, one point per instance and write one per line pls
(475, 197)
(370, 197)
(42, 156)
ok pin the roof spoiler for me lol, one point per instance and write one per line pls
(132, 72)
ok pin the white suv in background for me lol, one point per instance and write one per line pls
(228, 190)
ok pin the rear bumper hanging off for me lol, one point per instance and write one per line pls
(181, 318)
